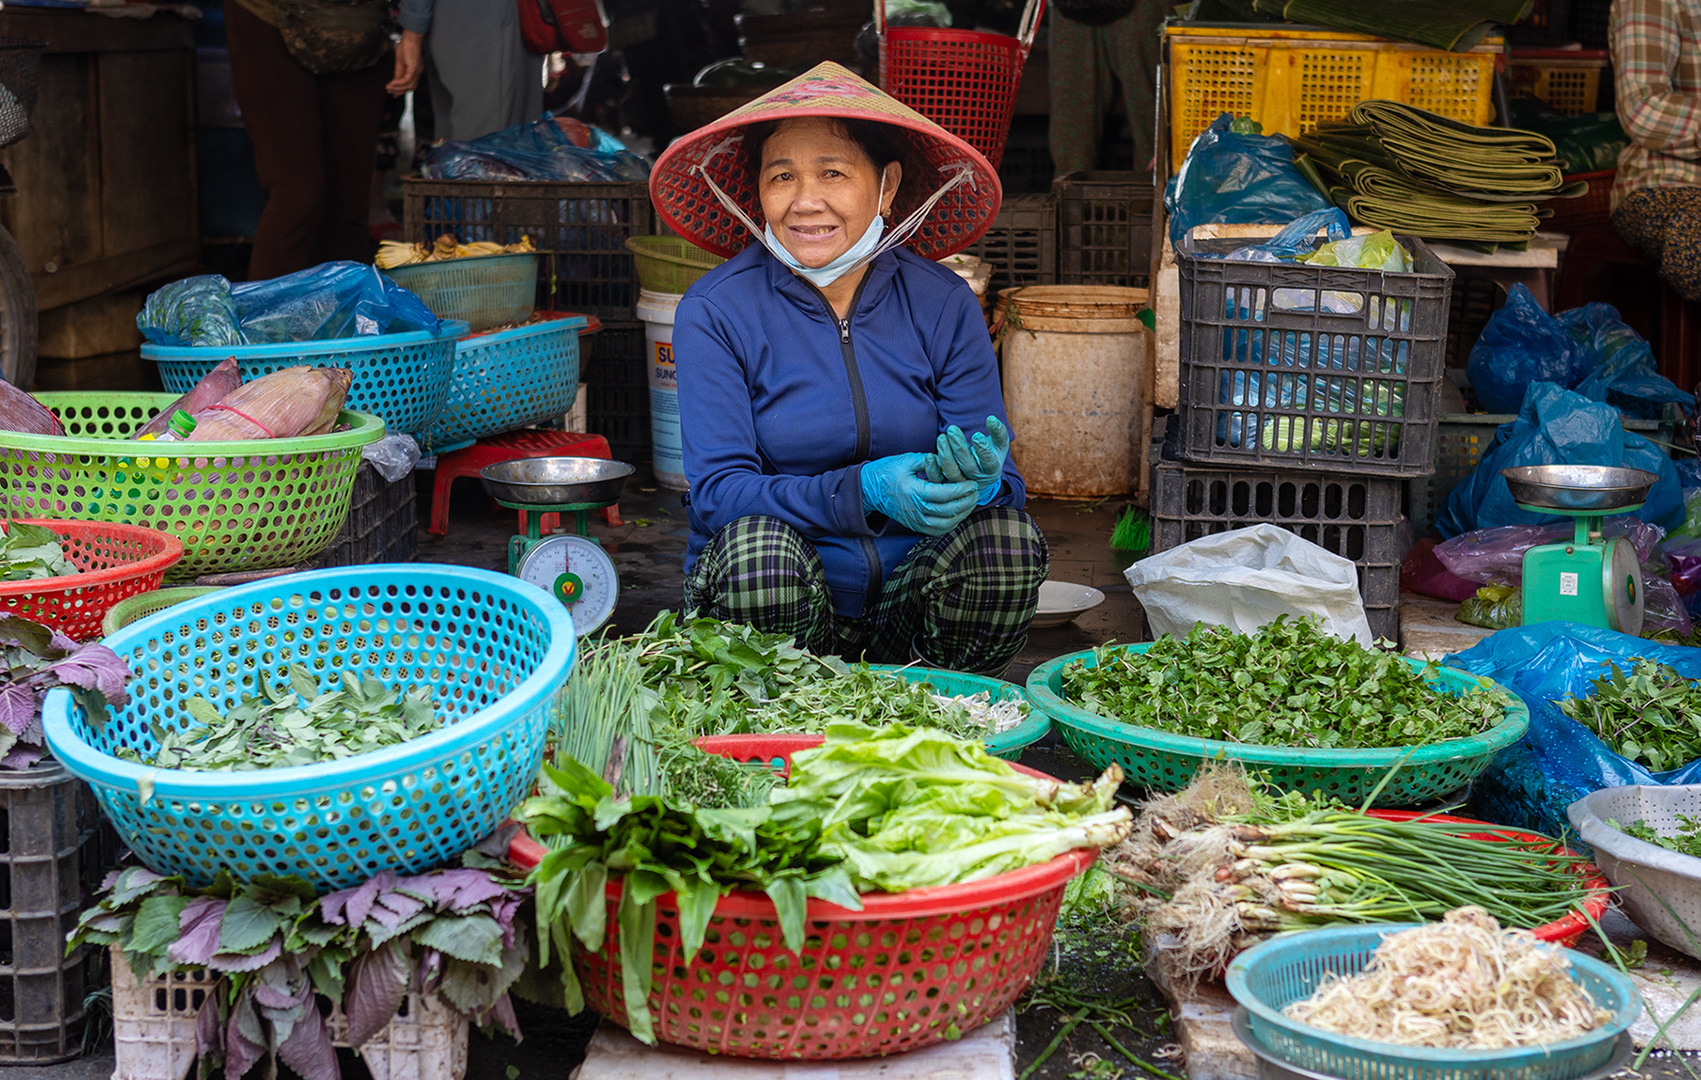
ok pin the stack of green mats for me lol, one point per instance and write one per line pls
(1395, 167)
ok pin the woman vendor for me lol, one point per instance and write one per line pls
(844, 432)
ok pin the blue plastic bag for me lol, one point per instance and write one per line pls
(1557, 427)
(1588, 349)
(1558, 761)
(536, 150)
(1238, 179)
(1297, 237)
(331, 300)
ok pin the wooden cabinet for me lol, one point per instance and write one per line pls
(106, 177)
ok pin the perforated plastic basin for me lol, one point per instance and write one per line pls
(493, 650)
(1659, 888)
(1163, 761)
(1006, 744)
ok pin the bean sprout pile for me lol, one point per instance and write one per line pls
(1463, 983)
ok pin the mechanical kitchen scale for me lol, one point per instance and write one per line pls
(1588, 579)
(572, 567)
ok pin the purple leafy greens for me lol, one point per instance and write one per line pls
(36, 659)
(275, 946)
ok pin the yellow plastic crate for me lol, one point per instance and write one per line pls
(1566, 84)
(1290, 80)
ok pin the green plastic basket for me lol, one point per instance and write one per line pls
(669, 264)
(127, 611)
(1289, 967)
(485, 290)
(249, 505)
(1006, 744)
(1163, 761)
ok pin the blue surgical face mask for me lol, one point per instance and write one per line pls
(853, 257)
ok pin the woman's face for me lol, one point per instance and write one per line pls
(819, 190)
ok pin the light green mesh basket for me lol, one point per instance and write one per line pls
(485, 290)
(250, 505)
(140, 606)
(1162, 761)
(1006, 744)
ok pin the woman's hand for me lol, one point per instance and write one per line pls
(410, 61)
(979, 460)
(899, 487)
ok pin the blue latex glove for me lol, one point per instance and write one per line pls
(979, 460)
(898, 487)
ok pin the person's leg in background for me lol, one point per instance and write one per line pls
(351, 111)
(482, 78)
(280, 107)
(1665, 225)
(1080, 95)
(1130, 46)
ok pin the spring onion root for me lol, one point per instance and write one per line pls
(1462, 984)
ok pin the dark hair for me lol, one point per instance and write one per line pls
(883, 143)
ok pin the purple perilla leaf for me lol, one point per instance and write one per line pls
(198, 932)
(376, 984)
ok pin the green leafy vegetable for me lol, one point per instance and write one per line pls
(34, 660)
(1651, 716)
(1686, 841)
(1289, 684)
(32, 551)
(297, 725)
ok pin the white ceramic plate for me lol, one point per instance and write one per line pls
(1064, 601)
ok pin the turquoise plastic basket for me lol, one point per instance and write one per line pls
(507, 380)
(482, 291)
(1006, 744)
(1163, 761)
(403, 379)
(1287, 968)
(493, 649)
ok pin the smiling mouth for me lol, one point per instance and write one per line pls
(813, 232)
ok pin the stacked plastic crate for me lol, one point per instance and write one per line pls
(1307, 397)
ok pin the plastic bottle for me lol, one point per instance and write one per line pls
(182, 425)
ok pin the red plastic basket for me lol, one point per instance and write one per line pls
(1591, 208)
(901, 973)
(1564, 931)
(115, 562)
(963, 80)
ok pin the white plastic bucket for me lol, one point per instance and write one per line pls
(666, 449)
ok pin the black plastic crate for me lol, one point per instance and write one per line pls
(56, 847)
(1286, 365)
(382, 524)
(616, 356)
(1589, 20)
(1026, 166)
(620, 414)
(1473, 300)
(581, 230)
(1021, 245)
(1548, 23)
(1104, 222)
(1355, 517)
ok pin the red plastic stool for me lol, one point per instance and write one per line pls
(1601, 266)
(509, 447)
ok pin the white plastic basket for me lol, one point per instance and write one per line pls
(154, 1031)
(1646, 873)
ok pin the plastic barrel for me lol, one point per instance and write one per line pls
(666, 449)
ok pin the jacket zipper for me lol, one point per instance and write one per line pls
(859, 406)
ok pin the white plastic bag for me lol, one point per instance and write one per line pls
(1243, 579)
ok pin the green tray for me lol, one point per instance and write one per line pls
(253, 504)
(1163, 761)
(127, 611)
(1006, 744)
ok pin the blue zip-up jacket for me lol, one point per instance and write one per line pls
(780, 402)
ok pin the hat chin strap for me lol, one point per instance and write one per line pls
(899, 235)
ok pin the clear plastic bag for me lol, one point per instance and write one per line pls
(1496, 556)
(1375, 251)
(394, 456)
(1238, 179)
(194, 311)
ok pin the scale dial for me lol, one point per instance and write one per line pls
(1626, 605)
(577, 572)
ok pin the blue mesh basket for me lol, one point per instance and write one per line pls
(493, 649)
(507, 380)
(1289, 967)
(401, 378)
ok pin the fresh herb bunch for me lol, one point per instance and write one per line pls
(1686, 841)
(1288, 684)
(31, 551)
(273, 945)
(871, 810)
(1651, 716)
(294, 725)
(36, 659)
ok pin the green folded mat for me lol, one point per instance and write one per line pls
(1456, 25)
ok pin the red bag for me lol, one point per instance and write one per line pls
(576, 26)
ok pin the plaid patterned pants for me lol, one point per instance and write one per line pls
(961, 601)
